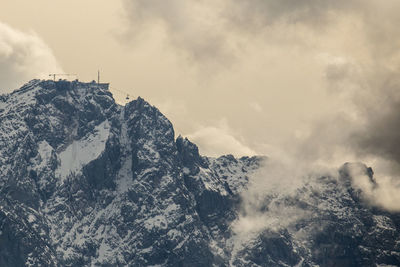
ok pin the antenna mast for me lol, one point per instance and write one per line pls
(98, 76)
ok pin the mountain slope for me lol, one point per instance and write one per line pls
(105, 184)
(87, 182)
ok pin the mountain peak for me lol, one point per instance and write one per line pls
(60, 85)
(87, 182)
(99, 178)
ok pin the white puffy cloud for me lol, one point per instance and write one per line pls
(216, 141)
(23, 56)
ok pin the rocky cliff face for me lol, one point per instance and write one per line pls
(87, 182)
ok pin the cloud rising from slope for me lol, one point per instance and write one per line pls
(219, 140)
(23, 56)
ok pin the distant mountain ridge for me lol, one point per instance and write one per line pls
(87, 182)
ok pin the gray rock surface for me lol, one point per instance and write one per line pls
(87, 182)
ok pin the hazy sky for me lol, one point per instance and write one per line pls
(241, 77)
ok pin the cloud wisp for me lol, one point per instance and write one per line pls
(219, 140)
(23, 56)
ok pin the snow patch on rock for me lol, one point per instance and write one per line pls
(83, 151)
(45, 151)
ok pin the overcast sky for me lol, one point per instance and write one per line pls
(240, 77)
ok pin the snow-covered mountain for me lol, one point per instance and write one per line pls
(87, 182)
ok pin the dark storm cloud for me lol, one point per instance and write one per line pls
(208, 32)
(260, 13)
(380, 134)
(190, 26)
